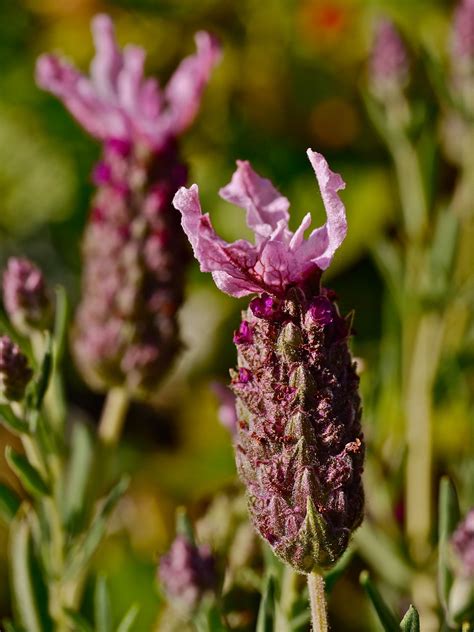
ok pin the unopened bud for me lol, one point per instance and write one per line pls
(26, 297)
(14, 370)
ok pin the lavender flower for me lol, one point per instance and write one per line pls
(14, 370)
(463, 544)
(187, 573)
(25, 296)
(299, 448)
(388, 69)
(135, 254)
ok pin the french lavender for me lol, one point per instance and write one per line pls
(299, 447)
(135, 253)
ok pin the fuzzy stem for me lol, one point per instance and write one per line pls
(113, 416)
(317, 600)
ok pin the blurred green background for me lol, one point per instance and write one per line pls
(290, 79)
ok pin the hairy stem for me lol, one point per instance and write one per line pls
(317, 600)
(113, 416)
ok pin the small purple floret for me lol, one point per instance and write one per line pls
(322, 311)
(101, 174)
(245, 376)
(263, 306)
(243, 335)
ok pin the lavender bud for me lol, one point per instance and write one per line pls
(14, 370)
(25, 295)
(187, 573)
(463, 545)
(299, 447)
(388, 70)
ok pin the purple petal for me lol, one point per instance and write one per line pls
(333, 233)
(117, 102)
(184, 90)
(107, 62)
(279, 257)
(264, 205)
(130, 79)
(231, 265)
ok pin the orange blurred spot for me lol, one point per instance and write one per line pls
(334, 122)
(325, 18)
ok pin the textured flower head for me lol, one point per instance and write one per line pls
(279, 258)
(116, 101)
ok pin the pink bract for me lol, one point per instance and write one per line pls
(279, 257)
(117, 101)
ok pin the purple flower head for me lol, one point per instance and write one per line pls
(389, 60)
(463, 544)
(278, 258)
(226, 411)
(462, 38)
(116, 102)
(25, 295)
(14, 370)
(187, 572)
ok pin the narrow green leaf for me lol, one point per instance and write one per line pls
(183, 524)
(266, 612)
(11, 627)
(129, 618)
(411, 620)
(11, 421)
(29, 476)
(79, 623)
(60, 324)
(78, 476)
(24, 582)
(447, 521)
(9, 504)
(102, 607)
(41, 382)
(80, 554)
(444, 248)
(386, 617)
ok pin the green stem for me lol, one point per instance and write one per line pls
(418, 395)
(317, 600)
(113, 416)
(410, 183)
